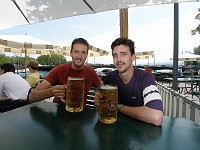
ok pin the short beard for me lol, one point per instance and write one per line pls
(122, 71)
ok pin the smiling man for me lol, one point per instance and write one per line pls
(55, 82)
(138, 96)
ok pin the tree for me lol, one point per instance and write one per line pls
(197, 50)
(5, 59)
(17, 60)
(24, 61)
(58, 59)
(43, 59)
(197, 30)
(53, 59)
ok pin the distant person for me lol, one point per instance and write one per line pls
(13, 87)
(34, 78)
(180, 72)
(189, 72)
(148, 69)
(138, 94)
(55, 82)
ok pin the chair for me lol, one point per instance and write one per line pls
(90, 99)
(9, 104)
(29, 93)
(196, 93)
(45, 100)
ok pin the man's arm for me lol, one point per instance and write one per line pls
(144, 113)
(45, 90)
(42, 91)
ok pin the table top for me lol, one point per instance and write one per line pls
(47, 126)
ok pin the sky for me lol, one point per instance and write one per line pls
(150, 27)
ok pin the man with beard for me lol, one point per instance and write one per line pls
(138, 96)
(55, 82)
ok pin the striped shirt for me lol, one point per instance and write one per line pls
(140, 91)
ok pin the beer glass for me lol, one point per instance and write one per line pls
(108, 104)
(75, 94)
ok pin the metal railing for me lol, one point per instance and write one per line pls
(179, 105)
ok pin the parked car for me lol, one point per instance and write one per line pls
(102, 72)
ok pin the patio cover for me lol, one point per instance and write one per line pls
(26, 44)
(92, 52)
(144, 55)
(26, 41)
(22, 12)
(4, 49)
(188, 57)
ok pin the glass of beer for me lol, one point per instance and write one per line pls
(108, 104)
(75, 94)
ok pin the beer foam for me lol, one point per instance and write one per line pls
(108, 87)
(72, 78)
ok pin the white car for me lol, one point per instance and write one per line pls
(102, 72)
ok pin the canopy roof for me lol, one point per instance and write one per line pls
(4, 49)
(26, 41)
(27, 44)
(144, 55)
(92, 52)
(22, 12)
(18, 44)
(188, 57)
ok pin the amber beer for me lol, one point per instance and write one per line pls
(75, 94)
(108, 104)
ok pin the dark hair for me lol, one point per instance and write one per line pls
(7, 67)
(34, 68)
(80, 41)
(126, 42)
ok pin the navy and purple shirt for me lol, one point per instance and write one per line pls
(140, 91)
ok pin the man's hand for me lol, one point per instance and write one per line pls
(96, 99)
(59, 91)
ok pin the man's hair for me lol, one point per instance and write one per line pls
(33, 64)
(126, 42)
(7, 67)
(34, 68)
(80, 41)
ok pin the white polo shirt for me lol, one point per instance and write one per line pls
(14, 86)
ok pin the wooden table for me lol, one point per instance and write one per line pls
(47, 126)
